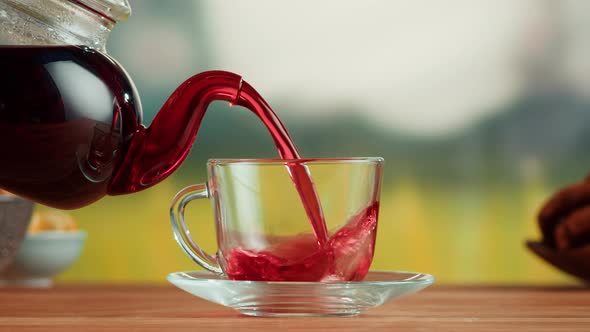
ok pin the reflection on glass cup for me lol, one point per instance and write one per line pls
(264, 230)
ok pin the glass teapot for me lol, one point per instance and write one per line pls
(70, 116)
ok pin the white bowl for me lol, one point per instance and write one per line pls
(42, 256)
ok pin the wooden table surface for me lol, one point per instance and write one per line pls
(153, 308)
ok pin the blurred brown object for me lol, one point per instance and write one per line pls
(573, 261)
(564, 221)
(565, 218)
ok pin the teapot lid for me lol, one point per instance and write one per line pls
(115, 10)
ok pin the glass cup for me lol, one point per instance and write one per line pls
(263, 228)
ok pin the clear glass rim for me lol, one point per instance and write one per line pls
(315, 161)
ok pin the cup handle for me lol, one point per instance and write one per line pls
(181, 232)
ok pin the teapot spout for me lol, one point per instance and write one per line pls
(156, 152)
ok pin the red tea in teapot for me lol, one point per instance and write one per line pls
(66, 114)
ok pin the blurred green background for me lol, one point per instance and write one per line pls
(480, 108)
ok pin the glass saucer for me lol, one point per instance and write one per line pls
(259, 298)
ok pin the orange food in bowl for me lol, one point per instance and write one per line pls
(52, 221)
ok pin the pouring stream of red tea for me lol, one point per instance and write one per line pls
(287, 150)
